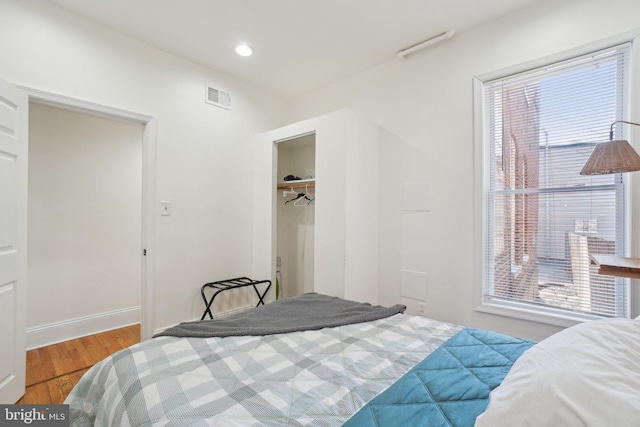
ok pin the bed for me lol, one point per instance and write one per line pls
(322, 361)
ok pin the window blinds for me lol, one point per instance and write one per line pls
(543, 217)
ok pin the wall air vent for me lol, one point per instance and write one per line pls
(217, 97)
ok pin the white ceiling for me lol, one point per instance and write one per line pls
(299, 45)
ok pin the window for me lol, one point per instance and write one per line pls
(541, 218)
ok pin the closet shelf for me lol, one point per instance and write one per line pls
(300, 183)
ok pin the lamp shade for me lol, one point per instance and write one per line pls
(612, 157)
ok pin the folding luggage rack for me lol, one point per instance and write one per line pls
(224, 285)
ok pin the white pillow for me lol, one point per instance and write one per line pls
(586, 375)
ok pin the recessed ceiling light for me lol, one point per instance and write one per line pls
(244, 50)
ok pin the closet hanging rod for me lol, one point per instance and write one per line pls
(301, 183)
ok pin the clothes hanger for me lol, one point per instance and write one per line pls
(304, 197)
(299, 196)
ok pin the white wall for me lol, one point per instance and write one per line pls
(426, 100)
(85, 207)
(203, 152)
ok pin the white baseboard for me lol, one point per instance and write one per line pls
(52, 333)
(217, 316)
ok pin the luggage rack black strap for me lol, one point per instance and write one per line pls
(223, 285)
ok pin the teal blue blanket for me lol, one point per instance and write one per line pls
(450, 387)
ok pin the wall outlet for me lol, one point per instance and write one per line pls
(422, 308)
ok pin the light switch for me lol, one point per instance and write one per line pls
(165, 208)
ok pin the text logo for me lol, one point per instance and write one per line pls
(34, 415)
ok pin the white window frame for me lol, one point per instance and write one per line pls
(481, 185)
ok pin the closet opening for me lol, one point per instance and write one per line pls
(295, 215)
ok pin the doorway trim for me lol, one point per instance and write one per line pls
(149, 144)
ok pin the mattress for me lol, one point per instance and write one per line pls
(588, 374)
(314, 378)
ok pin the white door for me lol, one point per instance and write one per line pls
(14, 116)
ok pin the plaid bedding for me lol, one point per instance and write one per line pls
(311, 378)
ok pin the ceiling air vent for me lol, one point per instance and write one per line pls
(217, 97)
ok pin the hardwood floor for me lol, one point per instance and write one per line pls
(52, 371)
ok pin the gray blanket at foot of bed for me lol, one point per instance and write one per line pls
(307, 312)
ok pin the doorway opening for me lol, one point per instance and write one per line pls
(147, 198)
(84, 224)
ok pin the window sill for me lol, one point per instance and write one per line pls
(537, 314)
